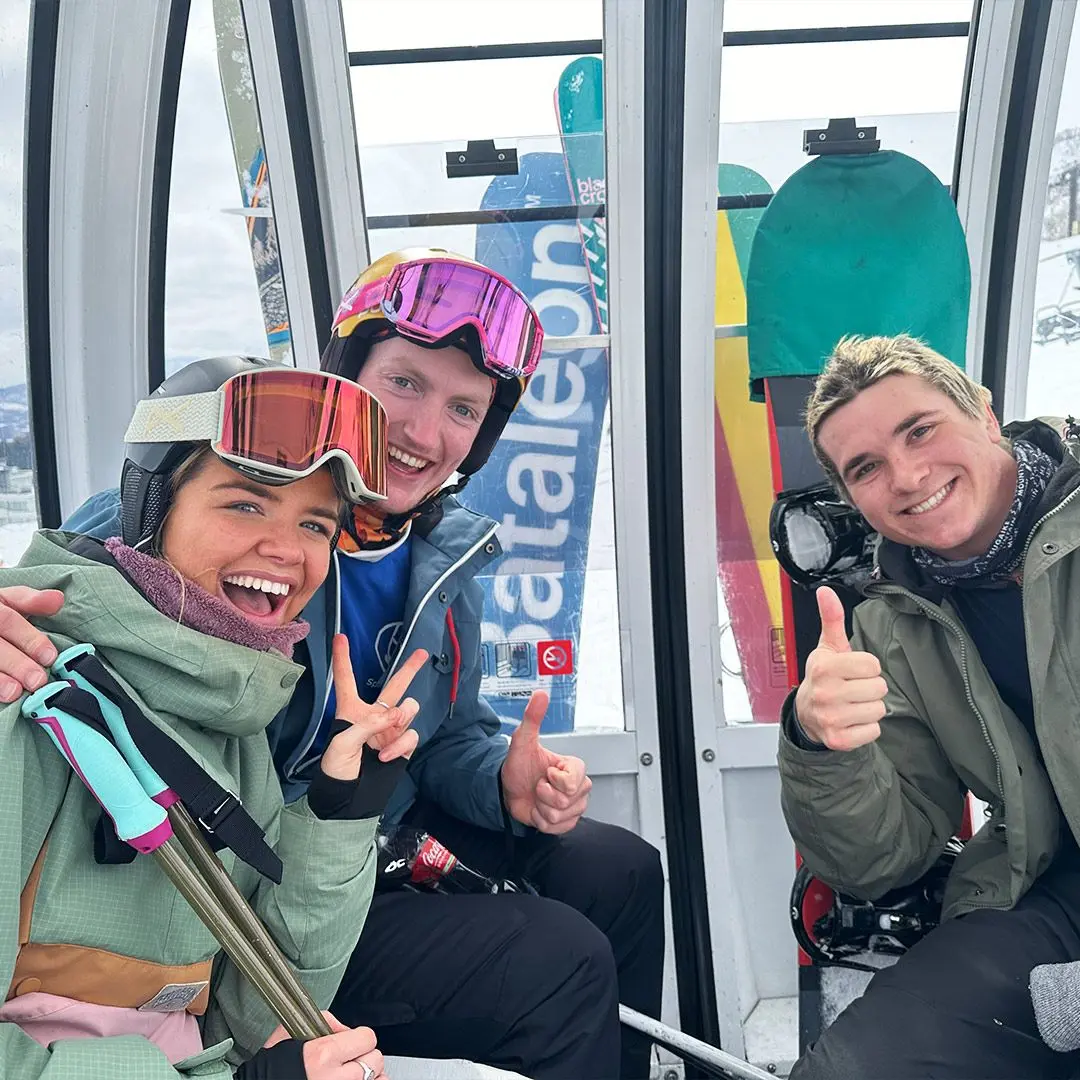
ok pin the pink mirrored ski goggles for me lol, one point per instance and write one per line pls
(429, 299)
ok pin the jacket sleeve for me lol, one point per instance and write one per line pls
(315, 915)
(871, 819)
(99, 516)
(128, 1056)
(34, 782)
(458, 767)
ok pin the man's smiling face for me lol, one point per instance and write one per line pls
(435, 402)
(919, 469)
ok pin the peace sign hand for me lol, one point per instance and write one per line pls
(384, 725)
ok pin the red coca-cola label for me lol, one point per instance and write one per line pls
(433, 861)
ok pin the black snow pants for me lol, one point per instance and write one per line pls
(528, 983)
(957, 1006)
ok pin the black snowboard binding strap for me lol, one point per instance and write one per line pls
(889, 925)
(819, 539)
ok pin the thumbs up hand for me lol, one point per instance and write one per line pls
(546, 790)
(841, 701)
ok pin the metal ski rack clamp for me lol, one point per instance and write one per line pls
(841, 137)
(481, 157)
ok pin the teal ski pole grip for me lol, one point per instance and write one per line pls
(144, 772)
(138, 819)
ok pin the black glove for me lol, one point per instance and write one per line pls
(283, 1061)
(364, 797)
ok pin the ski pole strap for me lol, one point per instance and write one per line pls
(218, 811)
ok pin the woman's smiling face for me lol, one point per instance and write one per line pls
(264, 550)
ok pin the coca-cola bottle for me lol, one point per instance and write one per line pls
(411, 857)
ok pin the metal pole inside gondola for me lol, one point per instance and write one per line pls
(295, 1018)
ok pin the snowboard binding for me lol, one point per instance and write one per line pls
(819, 539)
(890, 925)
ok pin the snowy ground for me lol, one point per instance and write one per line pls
(14, 540)
(18, 513)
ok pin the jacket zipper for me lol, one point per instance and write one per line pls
(435, 585)
(940, 617)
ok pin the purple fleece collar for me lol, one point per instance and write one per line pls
(194, 607)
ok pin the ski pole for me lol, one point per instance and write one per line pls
(144, 824)
(706, 1056)
(191, 838)
(246, 921)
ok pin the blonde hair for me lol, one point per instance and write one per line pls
(859, 362)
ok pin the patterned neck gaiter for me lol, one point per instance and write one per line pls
(1034, 467)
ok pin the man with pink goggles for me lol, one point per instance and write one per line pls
(429, 299)
(529, 982)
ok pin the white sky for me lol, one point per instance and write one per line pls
(758, 83)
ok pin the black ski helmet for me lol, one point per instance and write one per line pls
(145, 482)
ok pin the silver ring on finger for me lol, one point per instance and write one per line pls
(378, 701)
(369, 1072)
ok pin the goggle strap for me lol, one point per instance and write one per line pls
(187, 418)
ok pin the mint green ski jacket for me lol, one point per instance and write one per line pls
(214, 698)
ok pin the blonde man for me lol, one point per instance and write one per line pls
(962, 674)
